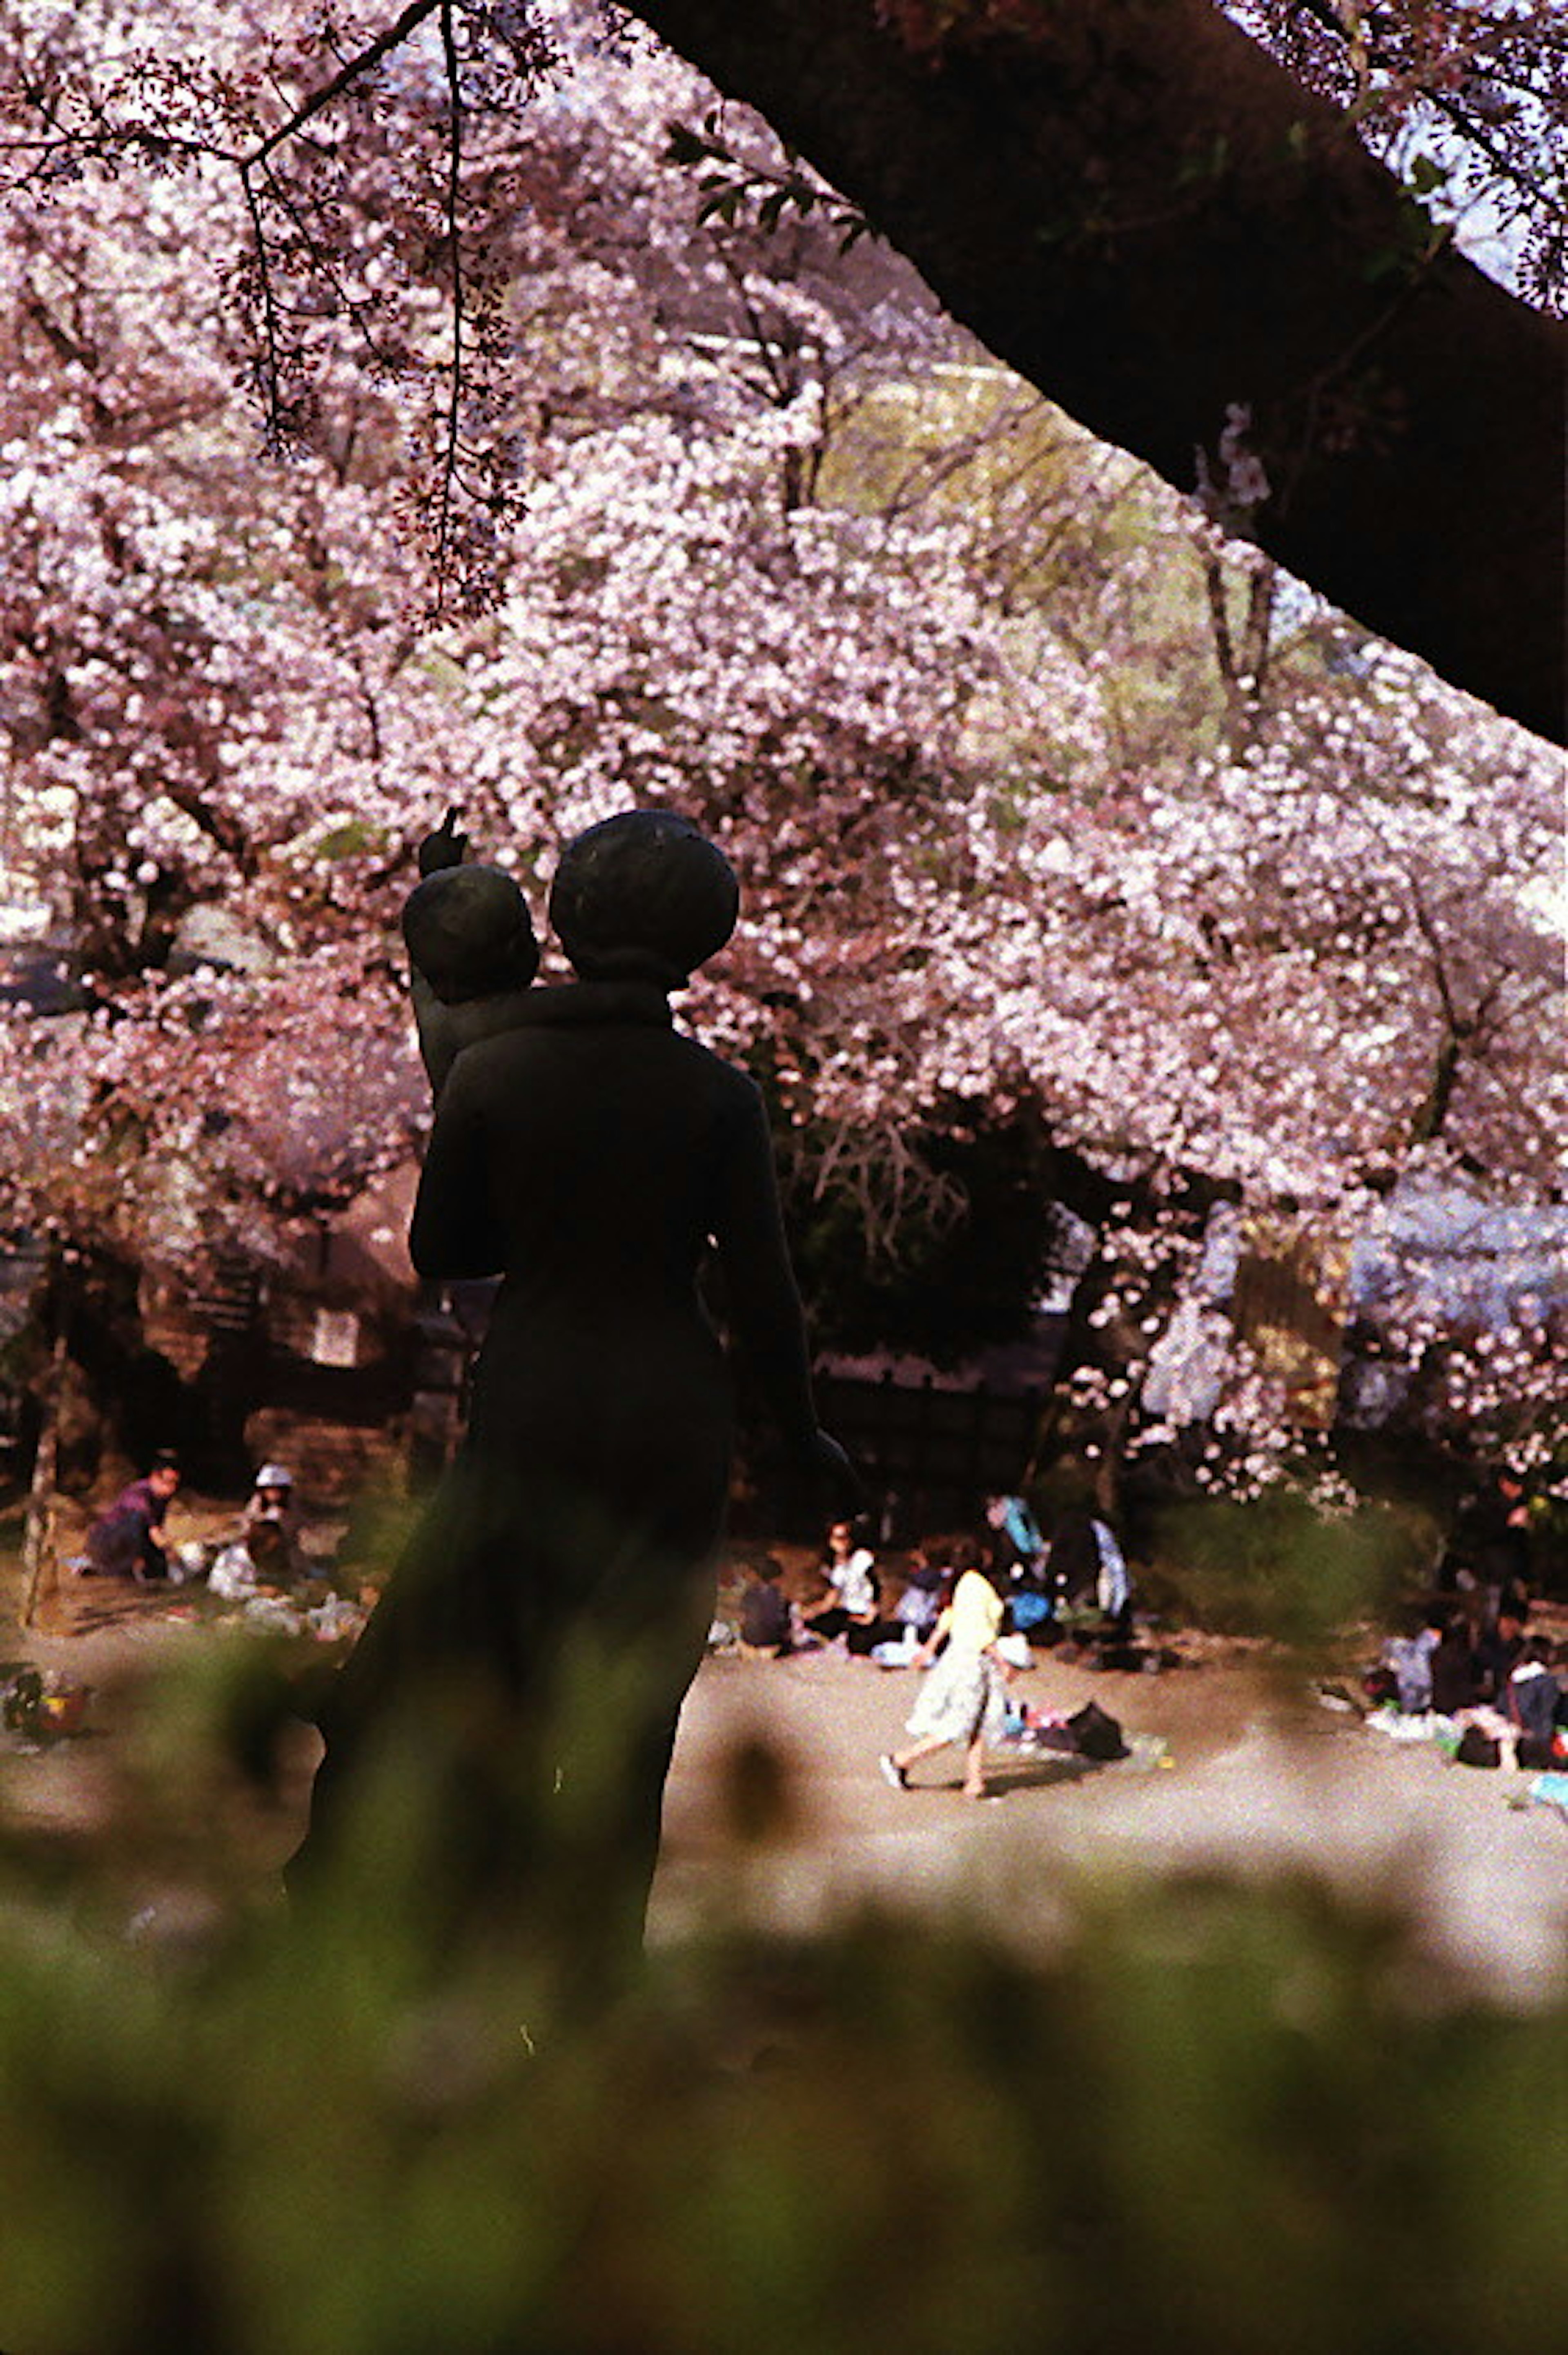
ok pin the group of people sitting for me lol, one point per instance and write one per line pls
(1479, 1663)
(965, 1613)
(262, 1555)
(851, 1611)
(1080, 1577)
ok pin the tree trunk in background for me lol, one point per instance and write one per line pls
(41, 1563)
(1129, 203)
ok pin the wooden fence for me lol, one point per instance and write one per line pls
(930, 1456)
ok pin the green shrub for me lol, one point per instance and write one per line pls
(1210, 2118)
(1275, 1565)
(1215, 2120)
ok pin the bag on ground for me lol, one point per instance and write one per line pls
(1477, 1748)
(1096, 1732)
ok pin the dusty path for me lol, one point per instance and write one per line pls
(1260, 1779)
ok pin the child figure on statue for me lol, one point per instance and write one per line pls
(472, 951)
(473, 956)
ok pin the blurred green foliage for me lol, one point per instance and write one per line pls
(1277, 1566)
(1210, 2118)
(1206, 2116)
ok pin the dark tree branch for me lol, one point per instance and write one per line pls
(1134, 207)
(271, 366)
(364, 62)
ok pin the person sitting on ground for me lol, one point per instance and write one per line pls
(255, 1563)
(850, 1609)
(961, 1699)
(1408, 1658)
(128, 1541)
(766, 1614)
(1018, 1548)
(271, 1501)
(926, 1582)
(1498, 1649)
(1532, 1696)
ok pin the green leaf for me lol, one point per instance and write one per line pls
(684, 147)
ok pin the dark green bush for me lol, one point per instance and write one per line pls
(1215, 2120)
(1274, 1565)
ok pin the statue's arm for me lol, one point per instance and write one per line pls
(446, 1030)
(759, 1282)
(768, 1323)
(455, 1231)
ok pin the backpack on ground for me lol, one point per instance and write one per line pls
(1096, 1732)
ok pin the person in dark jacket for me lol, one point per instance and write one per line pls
(1497, 1651)
(1532, 1695)
(1490, 1548)
(766, 1619)
(1455, 1680)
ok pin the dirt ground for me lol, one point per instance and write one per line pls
(1256, 1776)
(775, 1805)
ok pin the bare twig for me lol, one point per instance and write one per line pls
(272, 392)
(385, 42)
(454, 394)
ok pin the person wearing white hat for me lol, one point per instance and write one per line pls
(272, 1500)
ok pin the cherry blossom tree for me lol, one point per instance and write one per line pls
(1192, 260)
(727, 516)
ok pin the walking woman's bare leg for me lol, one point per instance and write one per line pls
(922, 1748)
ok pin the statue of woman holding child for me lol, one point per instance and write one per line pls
(519, 1684)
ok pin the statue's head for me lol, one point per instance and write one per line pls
(644, 896)
(469, 932)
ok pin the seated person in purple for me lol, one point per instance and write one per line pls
(128, 1541)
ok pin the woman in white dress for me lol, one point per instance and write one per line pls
(961, 1699)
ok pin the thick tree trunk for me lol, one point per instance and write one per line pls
(1134, 207)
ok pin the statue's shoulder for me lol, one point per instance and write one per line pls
(728, 1079)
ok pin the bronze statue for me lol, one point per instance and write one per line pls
(528, 1663)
